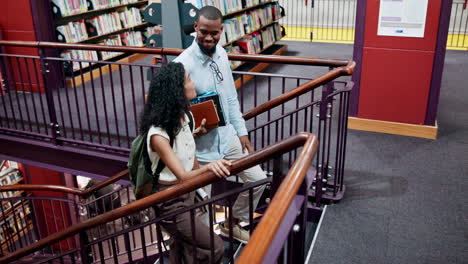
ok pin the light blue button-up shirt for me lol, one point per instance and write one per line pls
(213, 145)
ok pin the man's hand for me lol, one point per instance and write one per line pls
(201, 130)
(245, 142)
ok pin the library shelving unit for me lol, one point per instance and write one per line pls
(110, 22)
(250, 26)
(15, 216)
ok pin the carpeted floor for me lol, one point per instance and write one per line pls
(405, 196)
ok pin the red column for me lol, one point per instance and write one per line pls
(395, 81)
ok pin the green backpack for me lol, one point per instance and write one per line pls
(139, 168)
(139, 165)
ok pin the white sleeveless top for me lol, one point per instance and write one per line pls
(184, 148)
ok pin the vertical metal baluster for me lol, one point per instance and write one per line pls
(251, 211)
(40, 95)
(283, 90)
(290, 133)
(269, 111)
(231, 246)
(160, 241)
(69, 104)
(104, 105)
(210, 222)
(345, 126)
(55, 223)
(127, 247)
(93, 90)
(142, 78)
(135, 114)
(194, 236)
(114, 106)
(124, 106)
(101, 252)
(85, 99)
(77, 103)
(255, 105)
(114, 250)
(7, 90)
(143, 244)
(63, 224)
(32, 94)
(13, 88)
(59, 100)
(339, 145)
(23, 89)
(242, 87)
(72, 257)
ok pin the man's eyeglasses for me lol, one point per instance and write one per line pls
(214, 67)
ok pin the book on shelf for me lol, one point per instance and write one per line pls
(249, 22)
(72, 32)
(69, 7)
(218, 110)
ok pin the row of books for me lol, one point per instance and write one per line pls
(227, 6)
(130, 38)
(248, 22)
(82, 29)
(72, 32)
(100, 4)
(255, 42)
(73, 7)
(15, 223)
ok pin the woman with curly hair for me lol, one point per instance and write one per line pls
(166, 117)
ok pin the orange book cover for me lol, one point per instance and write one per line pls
(207, 110)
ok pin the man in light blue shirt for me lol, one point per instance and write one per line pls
(208, 65)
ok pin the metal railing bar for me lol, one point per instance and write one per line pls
(171, 51)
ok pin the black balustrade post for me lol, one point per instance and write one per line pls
(49, 86)
(86, 257)
(299, 229)
(277, 174)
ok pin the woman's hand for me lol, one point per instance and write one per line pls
(220, 168)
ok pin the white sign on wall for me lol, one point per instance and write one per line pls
(402, 18)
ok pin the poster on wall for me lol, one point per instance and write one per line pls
(402, 18)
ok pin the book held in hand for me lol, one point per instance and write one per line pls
(209, 107)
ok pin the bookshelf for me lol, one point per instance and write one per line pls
(15, 216)
(250, 26)
(106, 22)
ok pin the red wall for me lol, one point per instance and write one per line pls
(51, 216)
(397, 71)
(16, 23)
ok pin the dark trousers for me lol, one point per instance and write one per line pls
(185, 241)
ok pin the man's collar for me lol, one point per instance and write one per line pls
(202, 56)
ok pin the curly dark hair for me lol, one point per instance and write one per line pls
(166, 102)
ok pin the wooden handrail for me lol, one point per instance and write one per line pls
(308, 140)
(170, 51)
(261, 239)
(348, 69)
(65, 189)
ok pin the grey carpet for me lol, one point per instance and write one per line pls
(405, 196)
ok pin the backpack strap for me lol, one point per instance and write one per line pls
(191, 122)
(161, 163)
